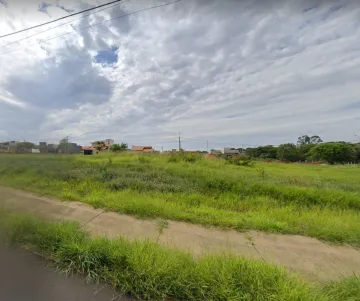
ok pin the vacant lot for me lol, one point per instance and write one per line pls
(318, 201)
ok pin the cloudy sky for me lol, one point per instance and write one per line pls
(229, 72)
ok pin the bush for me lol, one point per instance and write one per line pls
(144, 159)
(185, 157)
(288, 152)
(334, 152)
(241, 160)
(173, 158)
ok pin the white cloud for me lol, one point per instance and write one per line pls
(240, 72)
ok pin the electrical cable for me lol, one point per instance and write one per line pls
(64, 34)
(52, 21)
(40, 32)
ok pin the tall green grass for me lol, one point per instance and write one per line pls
(347, 289)
(151, 272)
(317, 201)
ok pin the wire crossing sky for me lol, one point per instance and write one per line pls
(246, 72)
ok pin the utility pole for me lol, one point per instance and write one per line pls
(162, 148)
(207, 146)
(179, 143)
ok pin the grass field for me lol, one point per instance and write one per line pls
(311, 200)
(150, 272)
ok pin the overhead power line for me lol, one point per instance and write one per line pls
(62, 18)
(40, 32)
(93, 25)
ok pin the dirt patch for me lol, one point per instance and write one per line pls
(307, 256)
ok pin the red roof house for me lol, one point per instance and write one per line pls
(143, 149)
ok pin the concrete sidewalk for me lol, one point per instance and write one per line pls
(307, 256)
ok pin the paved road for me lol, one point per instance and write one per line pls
(25, 277)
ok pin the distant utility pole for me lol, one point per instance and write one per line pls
(179, 143)
(207, 146)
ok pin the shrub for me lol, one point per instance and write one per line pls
(144, 159)
(241, 160)
(173, 158)
(334, 152)
(288, 152)
(185, 157)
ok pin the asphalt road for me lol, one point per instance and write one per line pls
(26, 277)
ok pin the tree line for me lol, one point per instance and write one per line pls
(309, 148)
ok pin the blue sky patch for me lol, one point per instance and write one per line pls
(108, 56)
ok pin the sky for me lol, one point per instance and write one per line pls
(221, 73)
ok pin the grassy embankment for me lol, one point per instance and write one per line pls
(317, 201)
(151, 272)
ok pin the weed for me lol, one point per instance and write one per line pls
(161, 225)
(317, 201)
(144, 159)
(151, 272)
(240, 160)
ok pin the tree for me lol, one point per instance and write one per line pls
(304, 151)
(118, 147)
(305, 139)
(334, 152)
(357, 152)
(315, 140)
(63, 144)
(266, 152)
(288, 152)
(98, 145)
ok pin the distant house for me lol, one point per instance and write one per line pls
(142, 149)
(87, 148)
(52, 148)
(230, 151)
(43, 147)
(215, 152)
(12, 146)
(69, 148)
(4, 146)
(88, 152)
